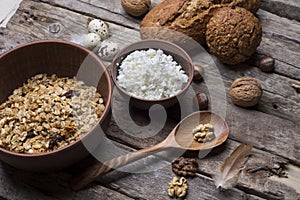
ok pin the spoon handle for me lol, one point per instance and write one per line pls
(91, 173)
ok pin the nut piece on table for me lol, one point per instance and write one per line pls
(245, 92)
(266, 64)
(177, 187)
(185, 166)
(201, 100)
(233, 34)
(136, 8)
(198, 73)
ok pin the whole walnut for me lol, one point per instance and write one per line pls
(233, 34)
(245, 92)
(136, 8)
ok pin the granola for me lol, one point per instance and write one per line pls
(48, 113)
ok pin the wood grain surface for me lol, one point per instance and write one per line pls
(273, 127)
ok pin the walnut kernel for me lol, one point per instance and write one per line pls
(177, 187)
(204, 133)
(185, 166)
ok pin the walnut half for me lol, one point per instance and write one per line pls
(178, 187)
(185, 166)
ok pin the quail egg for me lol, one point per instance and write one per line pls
(100, 27)
(91, 40)
(108, 50)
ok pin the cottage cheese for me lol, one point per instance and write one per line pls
(151, 74)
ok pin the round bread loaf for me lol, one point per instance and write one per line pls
(233, 34)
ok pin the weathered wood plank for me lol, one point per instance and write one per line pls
(154, 173)
(272, 25)
(40, 30)
(154, 183)
(281, 68)
(16, 184)
(265, 131)
(124, 36)
(142, 185)
(280, 97)
(259, 183)
(14, 190)
(72, 25)
(285, 8)
(286, 29)
(107, 10)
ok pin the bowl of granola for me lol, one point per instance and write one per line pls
(54, 104)
(152, 72)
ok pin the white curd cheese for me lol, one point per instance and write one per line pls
(151, 74)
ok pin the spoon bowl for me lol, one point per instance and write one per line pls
(180, 137)
(184, 131)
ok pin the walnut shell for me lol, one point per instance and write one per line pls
(136, 8)
(245, 92)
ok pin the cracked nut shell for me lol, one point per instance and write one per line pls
(136, 8)
(245, 92)
(233, 34)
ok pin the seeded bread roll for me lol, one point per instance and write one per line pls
(187, 17)
(173, 20)
(233, 34)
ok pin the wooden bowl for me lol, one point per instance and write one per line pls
(64, 59)
(178, 54)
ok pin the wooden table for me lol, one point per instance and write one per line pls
(272, 127)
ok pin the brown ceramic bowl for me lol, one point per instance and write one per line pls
(64, 59)
(178, 54)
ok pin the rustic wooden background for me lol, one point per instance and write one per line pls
(272, 127)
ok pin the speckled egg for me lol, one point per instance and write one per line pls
(100, 27)
(108, 50)
(91, 40)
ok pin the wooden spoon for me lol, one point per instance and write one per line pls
(180, 137)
